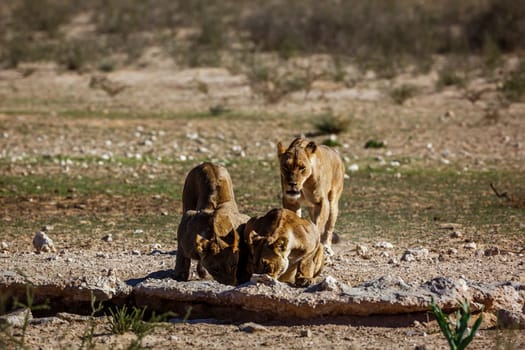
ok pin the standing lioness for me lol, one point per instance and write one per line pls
(208, 230)
(312, 175)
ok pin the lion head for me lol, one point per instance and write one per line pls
(268, 255)
(219, 257)
(296, 165)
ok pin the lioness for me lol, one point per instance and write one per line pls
(312, 175)
(208, 230)
(284, 246)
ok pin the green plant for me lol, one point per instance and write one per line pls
(328, 123)
(513, 87)
(332, 142)
(19, 341)
(374, 144)
(448, 77)
(402, 93)
(87, 337)
(457, 333)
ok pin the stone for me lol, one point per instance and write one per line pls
(415, 254)
(43, 243)
(252, 327)
(452, 251)
(470, 246)
(361, 250)
(4, 247)
(492, 251)
(107, 238)
(508, 319)
(306, 333)
(456, 234)
(17, 318)
(385, 245)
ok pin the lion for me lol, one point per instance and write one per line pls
(284, 246)
(312, 175)
(209, 228)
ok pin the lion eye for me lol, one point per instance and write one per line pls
(302, 169)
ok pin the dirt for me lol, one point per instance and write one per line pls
(435, 129)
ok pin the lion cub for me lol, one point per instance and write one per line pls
(284, 246)
(208, 230)
(312, 175)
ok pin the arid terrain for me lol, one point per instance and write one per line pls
(88, 164)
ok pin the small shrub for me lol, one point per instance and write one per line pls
(456, 333)
(328, 123)
(514, 85)
(448, 77)
(402, 93)
(331, 142)
(374, 144)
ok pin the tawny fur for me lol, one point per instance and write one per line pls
(284, 246)
(208, 231)
(313, 176)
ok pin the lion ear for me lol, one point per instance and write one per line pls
(280, 149)
(201, 244)
(311, 147)
(281, 244)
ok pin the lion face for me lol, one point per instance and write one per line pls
(219, 258)
(267, 255)
(296, 166)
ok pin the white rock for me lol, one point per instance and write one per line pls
(353, 168)
(361, 249)
(138, 231)
(4, 246)
(470, 246)
(456, 234)
(395, 163)
(452, 251)
(415, 254)
(135, 252)
(17, 318)
(385, 245)
(192, 135)
(108, 238)
(43, 243)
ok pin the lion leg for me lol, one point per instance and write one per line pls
(182, 267)
(327, 235)
(309, 268)
(201, 271)
(319, 215)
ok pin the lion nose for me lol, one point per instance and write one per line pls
(292, 183)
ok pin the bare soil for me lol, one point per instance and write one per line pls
(53, 125)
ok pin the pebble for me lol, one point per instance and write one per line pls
(43, 243)
(470, 246)
(138, 231)
(306, 333)
(361, 249)
(492, 251)
(4, 247)
(353, 168)
(456, 234)
(252, 327)
(452, 251)
(415, 254)
(17, 318)
(108, 238)
(385, 245)
(135, 252)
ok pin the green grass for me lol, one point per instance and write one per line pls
(376, 204)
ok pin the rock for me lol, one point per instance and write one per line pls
(470, 246)
(361, 250)
(492, 251)
(510, 319)
(108, 238)
(353, 168)
(4, 247)
(252, 327)
(452, 251)
(456, 234)
(415, 254)
(17, 318)
(306, 333)
(43, 243)
(385, 245)
(135, 252)
(263, 279)
(393, 261)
